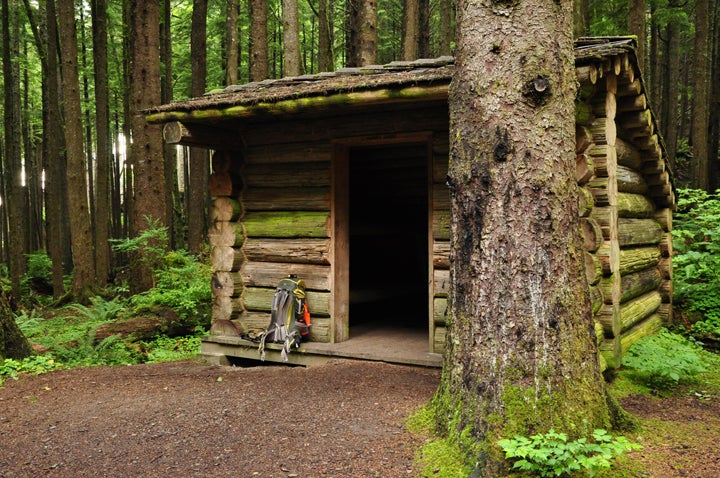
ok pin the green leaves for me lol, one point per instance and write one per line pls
(551, 454)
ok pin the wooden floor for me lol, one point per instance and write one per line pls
(381, 344)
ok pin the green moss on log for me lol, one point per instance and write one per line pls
(287, 224)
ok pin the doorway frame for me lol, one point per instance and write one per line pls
(340, 225)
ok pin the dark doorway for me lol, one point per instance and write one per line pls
(388, 235)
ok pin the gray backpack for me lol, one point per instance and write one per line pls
(289, 317)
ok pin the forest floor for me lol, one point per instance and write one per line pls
(343, 419)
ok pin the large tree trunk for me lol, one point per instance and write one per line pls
(80, 231)
(520, 352)
(12, 154)
(671, 95)
(636, 25)
(445, 35)
(701, 96)
(326, 58)
(291, 39)
(258, 40)
(714, 148)
(367, 34)
(146, 151)
(102, 121)
(581, 17)
(13, 343)
(199, 160)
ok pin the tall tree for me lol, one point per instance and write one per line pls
(231, 43)
(146, 152)
(102, 127)
(13, 343)
(445, 34)
(176, 234)
(199, 161)
(636, 25)
(701, 95)
(411, 30)
(519, 356)
(325, 37)
(367, 32)
(258, 40)
(671, 83)
(581, 17)
(16, 198)
(292, 65)
(76, 169)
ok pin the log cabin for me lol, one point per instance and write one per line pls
(340, 178)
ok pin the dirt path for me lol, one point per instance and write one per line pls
(185, 419)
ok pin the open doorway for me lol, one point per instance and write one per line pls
(388, 237)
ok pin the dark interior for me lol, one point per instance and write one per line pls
(389, 236)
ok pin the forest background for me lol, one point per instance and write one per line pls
(77, 74)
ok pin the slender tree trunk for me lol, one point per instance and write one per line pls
(146, 150)
(411, 30)
(424, 22)
(352, 32)
(53, 138)
(581, 17)
(701, 95)
(656, 60)
(258, 40)
(326, 58)
(231, 43)
(199, 161)
(714, 148)
(291, 39)
(636, 25)
(12, 153)
(102, 122)
(520, 353)
(176, 232)
(445, 36)
(671, 97)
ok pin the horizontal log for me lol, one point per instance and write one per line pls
(632, 103)
(592, 234)
(268, 274)
(259, 299)
(284, 199)
(666, 313)
(603, 158)
(666, 269)
(441, 254)
(441, 197)
(628, 155)
(226, 258)
(289, 152)
(632, 285)
(441, 281)
(223, 233)
(586, 74)
(604, 191)
(441, 225)
(635, 311)
(319, 332)
(638, 232)
(604, 105)
(646, 328)
(630, 181)
(440, 310)
(609, 317)
(304, 250)
(604, 131)
(640, 120)
(630, 89)
(194, 134)
(226, 327)
(666, 290)
(637, 259)
(226, 284)
(288, 175)
(664, 217)
(609, 256)
(287, 224)
(584, 113)
(634, 205)
(439, 168)
(585, 201)
(225, 209)
(666, 245)
(583, 139)
(596, 298)
(224, 184)
(223, 308)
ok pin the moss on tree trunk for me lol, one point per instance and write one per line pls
(521, 355)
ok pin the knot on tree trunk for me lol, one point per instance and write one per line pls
(538, 90)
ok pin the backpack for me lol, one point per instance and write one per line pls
(289, 317)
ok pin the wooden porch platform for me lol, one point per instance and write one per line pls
(381, 344)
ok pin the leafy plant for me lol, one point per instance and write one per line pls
(101, 310)
(35, 364)
(150, 245)
(170, 349)
(551, 454)
(696, 263)
(664, 359)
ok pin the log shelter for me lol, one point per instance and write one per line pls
(340, 178)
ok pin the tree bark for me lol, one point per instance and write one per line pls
(671, 95)
(411, 30)
(326, 57)
(581, 17)
(292, 65)
(520, 355)
(636, 25)
(146, 150)
(258, 40)
(231, 43)
(12, 153)
(80, 231)
(445, 36)
(367, 34)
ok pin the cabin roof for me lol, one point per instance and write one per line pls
(395, 75)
